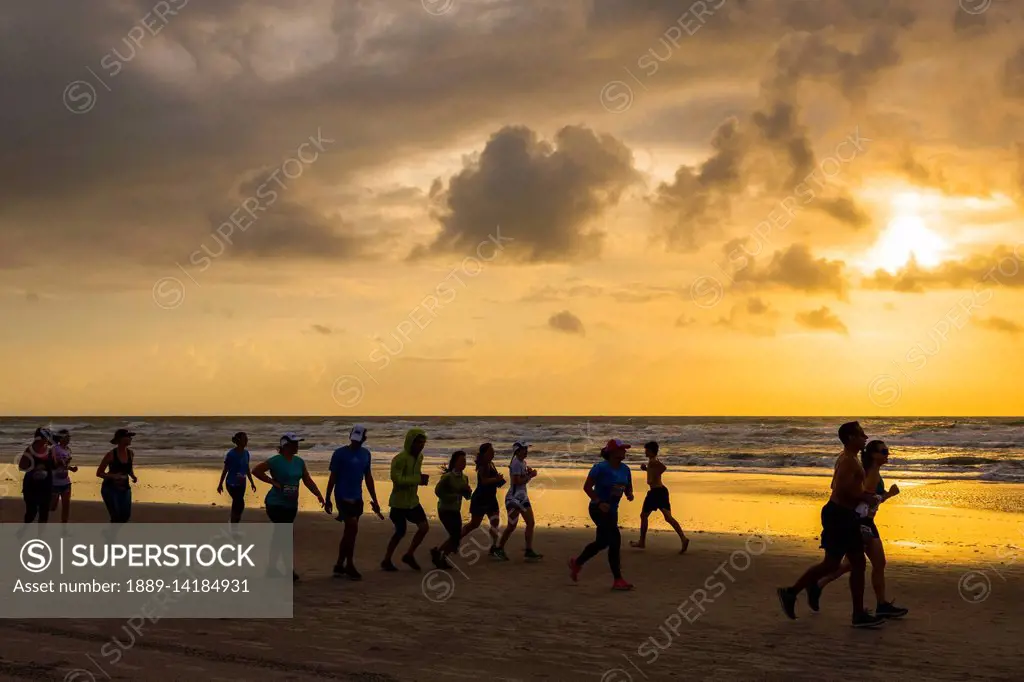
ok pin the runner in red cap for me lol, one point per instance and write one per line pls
(607, 482)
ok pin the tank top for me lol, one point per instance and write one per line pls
(483, 491)
(42, 466)
(118, 467)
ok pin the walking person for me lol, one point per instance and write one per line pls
(484, 501)
(517, 502)
(62, 468)
(350, 468)
(37, 486)
(117, 469)
(840, 534)
(451, 489)
(235, 474)
(609, 480)
(657, 499)
(406, 478)
(284, 472)
(873, 458)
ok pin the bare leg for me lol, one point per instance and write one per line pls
(857, 566)
(528, 516)
(513, 521)
(876, 553)
(493, 529)
(819, 571)
(844, 568)
(677, 528)
(421, 532)
(393, 545)
(473, 524)
(643, 532)
(65, 510)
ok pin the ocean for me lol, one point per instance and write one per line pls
(989, 449)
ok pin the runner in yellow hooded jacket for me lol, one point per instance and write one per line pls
(406, 478)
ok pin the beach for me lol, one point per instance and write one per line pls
(710, 614)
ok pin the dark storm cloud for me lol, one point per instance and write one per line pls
(543, 195)
(566, 322)
(224, 88)
(698, 198)
(796, 268)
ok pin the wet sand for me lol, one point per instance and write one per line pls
(710, 614)
(931, 520)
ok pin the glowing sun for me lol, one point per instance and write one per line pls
(907, 237)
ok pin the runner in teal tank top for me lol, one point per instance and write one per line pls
(284, 472)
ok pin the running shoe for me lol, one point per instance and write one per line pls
(621, 585)
(388, 567)
(530, 555)
(352, 573)
(787, 598)
(865, 619)
(814, 597)
(574, 570)
(410, 561)
(890, 610)
(500, 555)
(295, 577)
(339, 571)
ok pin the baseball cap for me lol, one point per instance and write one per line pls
(121, 433)
(43, 434)
(358, 433)
(616, 444)
(519, 445)
(290, 438)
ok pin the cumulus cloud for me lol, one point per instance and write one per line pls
(796, 268)
(543, 195)
(566, 322)
(822, 319)
(1002, 267)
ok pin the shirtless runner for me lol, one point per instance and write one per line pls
(840, 534)
(657, 498)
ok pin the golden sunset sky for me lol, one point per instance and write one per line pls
(512, 207)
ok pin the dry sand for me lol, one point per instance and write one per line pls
(518, 621)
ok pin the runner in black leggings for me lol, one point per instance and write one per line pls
(608, 481)
(37, 487)
(116, 469)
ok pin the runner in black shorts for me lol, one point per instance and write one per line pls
(484, 501)
(840, 533)
(874, 456)
(657, 498)
(406, 478)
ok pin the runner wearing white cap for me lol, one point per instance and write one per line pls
(517, 501)
(350, 467)
(286, 470)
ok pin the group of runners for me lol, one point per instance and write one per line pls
(849, 532)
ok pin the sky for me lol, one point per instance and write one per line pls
(512, 207)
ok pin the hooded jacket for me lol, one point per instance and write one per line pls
(406, 474)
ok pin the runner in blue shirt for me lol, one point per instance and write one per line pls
(607, 482)
(234, 475)
(350, 466)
